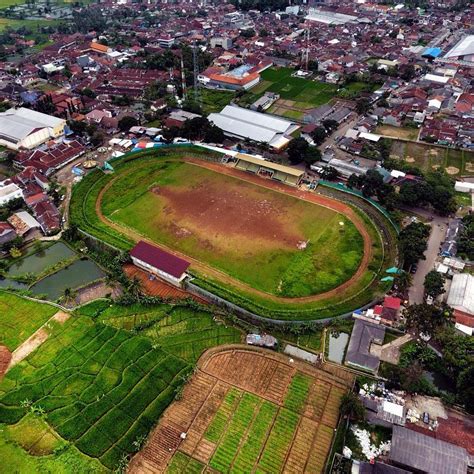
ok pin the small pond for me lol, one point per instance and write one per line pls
(440, 381)
(41, 260)
(6, 283)
(75, 275)
(337, 346)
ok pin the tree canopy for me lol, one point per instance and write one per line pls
(434, 284)
(413, 241)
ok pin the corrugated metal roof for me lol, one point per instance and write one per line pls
(461, 293)
(415, 450)
(269, 164)
(253, 125)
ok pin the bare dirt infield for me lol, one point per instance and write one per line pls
(225, 278)
(263, 374)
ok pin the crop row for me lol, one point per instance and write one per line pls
(224, 413)
(255, 440)
(182, 463)
(298, 392)
(279, 441)
(229, 444)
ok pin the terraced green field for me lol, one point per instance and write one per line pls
(101, 387)
(180, 331)
(20, 318)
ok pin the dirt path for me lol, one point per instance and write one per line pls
(36, 339)
(5, 358)
(272, 185)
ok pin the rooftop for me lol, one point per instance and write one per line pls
(362, 337)
(418, 451)
(158, 258)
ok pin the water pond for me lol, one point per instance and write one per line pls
(41, 260)
(337, 346)
(75, 275)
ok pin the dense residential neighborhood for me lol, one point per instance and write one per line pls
(237, 236)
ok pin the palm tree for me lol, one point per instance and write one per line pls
(69, 294)
(403, 281)
(134, 286)
(352, 407)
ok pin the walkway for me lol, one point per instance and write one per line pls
(36, 339)
(437, 235)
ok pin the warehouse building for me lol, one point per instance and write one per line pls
(267, 169)
(159, 262)
(463, 50)
(421, 453)
(25, 128)
(243, 123)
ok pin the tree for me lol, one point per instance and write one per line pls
(362, 106)
(403, 281)
(427, 319)
(311, 156)
(330, 124)
(465, 389)
(126, 123)
(412, 242)
(297, 149)
(434, 284)
(352, 407)
(466, 238)
(329, 173)
(319, 135)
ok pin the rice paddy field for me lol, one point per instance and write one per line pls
(296, 94)
(247, 411)
(89, 395)
(428, 158)
(20, 318)
(271, 241)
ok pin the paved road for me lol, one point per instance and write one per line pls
(438, 232)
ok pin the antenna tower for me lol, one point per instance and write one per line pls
(197, 92)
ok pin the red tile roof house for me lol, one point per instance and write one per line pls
(163, 264)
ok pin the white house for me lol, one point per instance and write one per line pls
(163, 264)
(9, 192)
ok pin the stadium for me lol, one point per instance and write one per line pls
(248, 231)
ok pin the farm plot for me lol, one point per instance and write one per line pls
(20, 318)
(429, 158)
(247, 411)
(179, 330)
(100, 388)
(274, 242)
(296, 94)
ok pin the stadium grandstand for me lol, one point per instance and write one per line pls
(267, 169)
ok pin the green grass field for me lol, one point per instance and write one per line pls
(20, 318)
(250, 233)
(301, 93)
